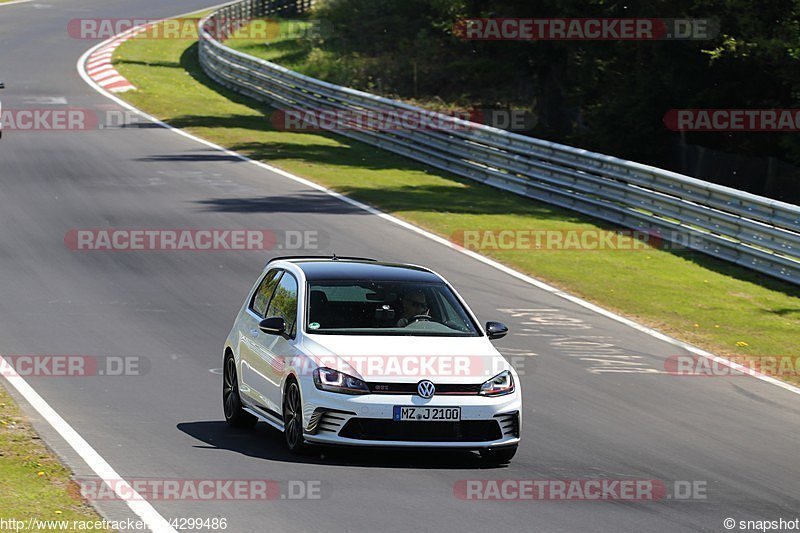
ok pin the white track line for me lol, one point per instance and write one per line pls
(154, 521)
(444, 242)
(3, 4)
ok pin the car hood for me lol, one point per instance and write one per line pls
(392, 359)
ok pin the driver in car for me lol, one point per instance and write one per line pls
(414, 304)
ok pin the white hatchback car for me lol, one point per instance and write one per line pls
(350, 351)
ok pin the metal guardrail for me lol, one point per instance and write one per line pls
(752, 231)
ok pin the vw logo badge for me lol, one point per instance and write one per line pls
(426, 389)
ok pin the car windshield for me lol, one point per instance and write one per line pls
(386, 308)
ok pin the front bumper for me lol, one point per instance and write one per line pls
(367, 420)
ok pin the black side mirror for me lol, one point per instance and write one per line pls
(273, 326)
(496, 330)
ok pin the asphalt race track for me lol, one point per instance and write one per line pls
(597, 405)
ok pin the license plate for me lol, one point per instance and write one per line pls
(426, 414)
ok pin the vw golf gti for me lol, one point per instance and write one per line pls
(349, 351)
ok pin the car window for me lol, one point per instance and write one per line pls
(284, 302)
(264, 293)
(447, 310)
(386, 308)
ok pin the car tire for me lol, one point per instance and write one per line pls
(499, 456)
(293, 418)
(235, 415)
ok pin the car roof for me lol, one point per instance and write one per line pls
(319, 269)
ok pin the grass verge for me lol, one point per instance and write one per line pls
(33, 483)
(710, 303)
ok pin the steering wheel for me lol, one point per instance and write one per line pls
(426, 318)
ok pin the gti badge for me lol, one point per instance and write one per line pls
(426, 389)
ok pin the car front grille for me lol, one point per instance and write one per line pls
(453, 389)
(384, 430)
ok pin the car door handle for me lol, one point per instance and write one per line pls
(255, 332)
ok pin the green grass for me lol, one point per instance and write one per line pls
(707, 302)
(33, 484)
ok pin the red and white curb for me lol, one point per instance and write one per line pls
(100, 69)
(102, 72)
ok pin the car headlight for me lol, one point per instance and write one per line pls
(331, 380)
(502, 383)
